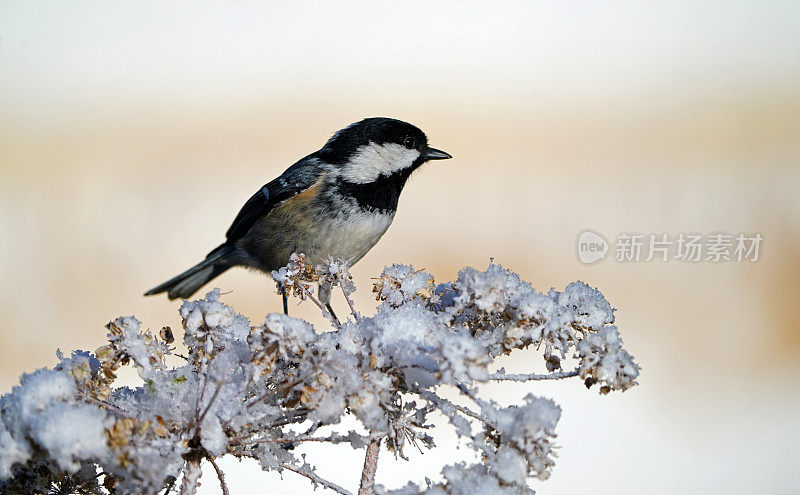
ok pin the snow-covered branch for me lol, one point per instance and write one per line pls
(530, 377)
(258, 391)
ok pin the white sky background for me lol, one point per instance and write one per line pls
(66, 63)
(68, 53)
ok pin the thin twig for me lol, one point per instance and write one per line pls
(438, 401)
(315, 478)
(333, 439)
(279, 440)
(472, 414)
(294, 416)
(327, 314)
(350, 302)
(221, 477)
(201, 390)
(370, 466)
(524, 377)
(288, 419)
(259, 399)
(210, 403)
(283, 389)
(110, 407)
(467, 392)
(269, 392)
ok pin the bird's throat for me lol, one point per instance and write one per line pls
(381, 195)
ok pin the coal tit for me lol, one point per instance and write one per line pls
(336, 202)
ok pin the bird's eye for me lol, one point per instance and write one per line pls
(409, 142)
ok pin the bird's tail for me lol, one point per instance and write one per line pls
(188, 282)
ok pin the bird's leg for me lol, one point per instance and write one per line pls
(285, 301)
(333, 315)
(324, 293)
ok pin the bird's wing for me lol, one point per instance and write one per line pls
(294, 180)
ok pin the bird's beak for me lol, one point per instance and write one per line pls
(434, 154)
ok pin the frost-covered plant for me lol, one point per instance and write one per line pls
(259, 391)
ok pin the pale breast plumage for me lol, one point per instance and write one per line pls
(308, 224)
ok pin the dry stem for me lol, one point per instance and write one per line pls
(370, 466)
(315, 478)
(191, 475)
(221, 477)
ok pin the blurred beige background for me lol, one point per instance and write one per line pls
(130, 135)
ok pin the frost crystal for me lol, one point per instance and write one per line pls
(258, 391)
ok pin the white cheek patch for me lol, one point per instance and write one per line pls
(373, 160)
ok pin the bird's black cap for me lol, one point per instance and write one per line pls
(378, 130)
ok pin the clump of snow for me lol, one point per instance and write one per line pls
(42, 416)
(212, 437)
(70, 433)
(296, 277)
(604, 361)
(14, 451)
(399, 284)
(258, 391)
(591, 308)
(36, 391)
(509, 466)
(464, 360)
(205, 315)
(528, 430)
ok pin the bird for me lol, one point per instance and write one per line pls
(334, 203)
